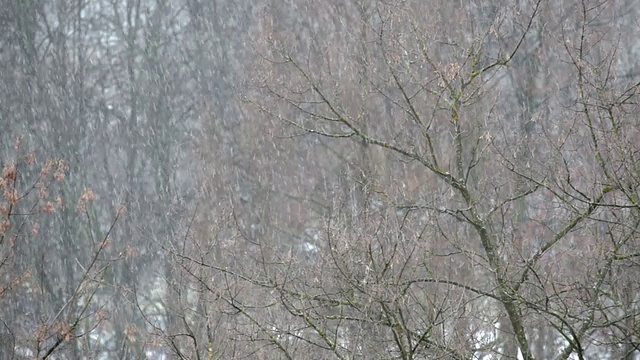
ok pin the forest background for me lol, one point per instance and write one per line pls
(326, 179)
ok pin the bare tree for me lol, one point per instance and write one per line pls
(490, 201)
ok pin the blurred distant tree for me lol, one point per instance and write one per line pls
(99, 84)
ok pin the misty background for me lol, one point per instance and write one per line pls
(187, 147)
